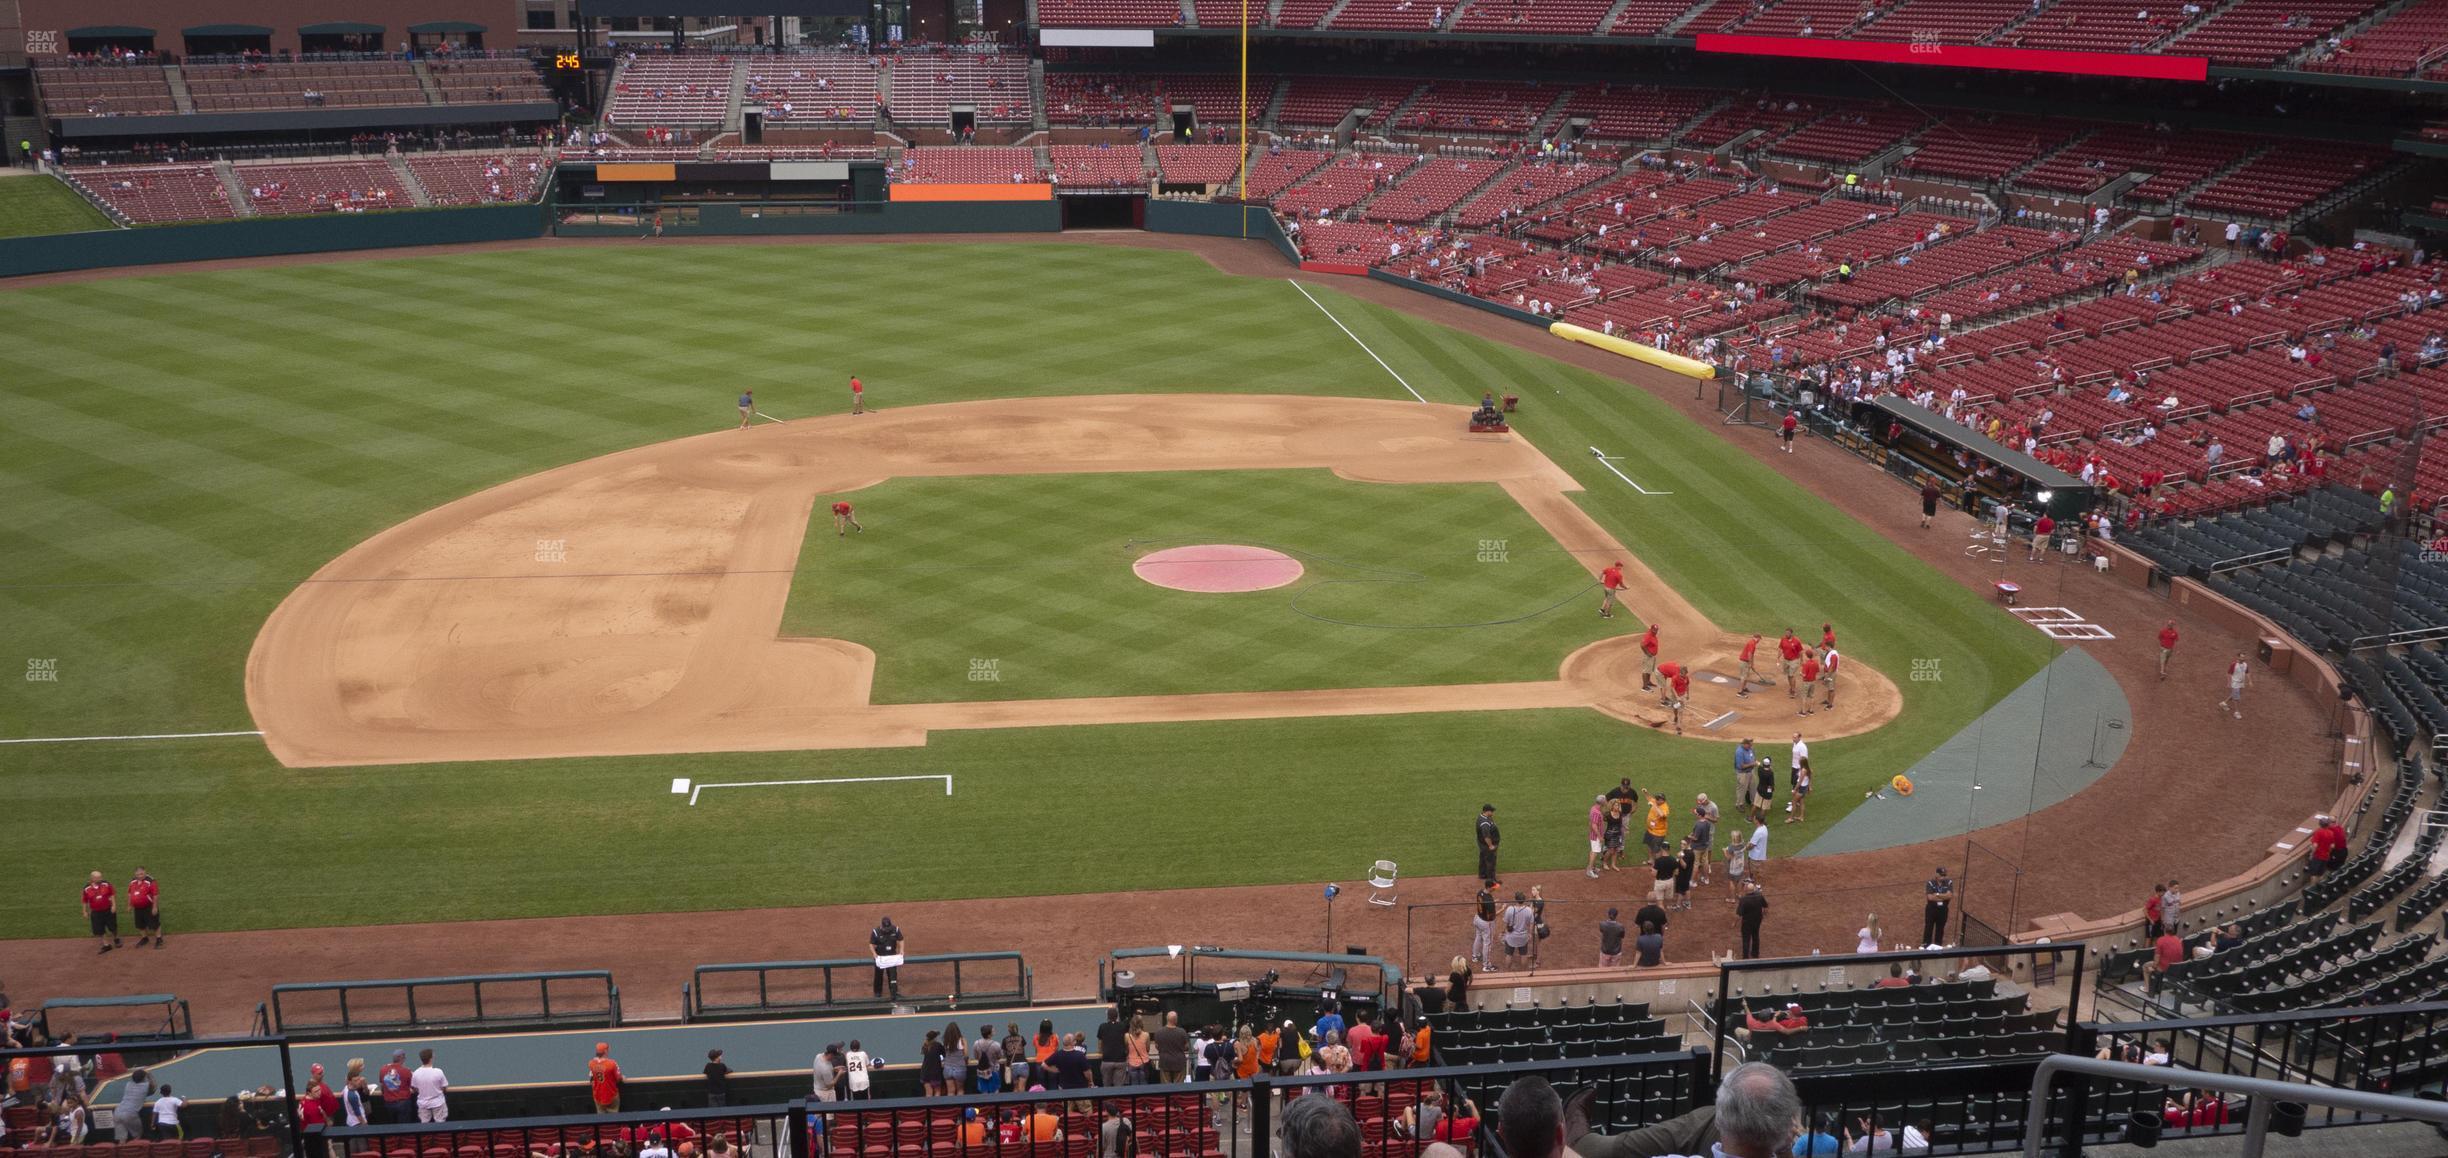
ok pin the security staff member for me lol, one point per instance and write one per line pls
(1487, 844)
(1939, 896)
(886, 940)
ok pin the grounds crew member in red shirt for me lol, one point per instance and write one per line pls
(1679, 682)
(1810, 675)
(1610, 581)
(1827, 635)
(2041, 530)
(102, 911)
(858, 396)
(1750, 667)
(604, 1079)
(1649, 658)
(1785, 430)
(1827, 676)
(2167, 646)
(1789, 652)
(843, 521)
(144, 899)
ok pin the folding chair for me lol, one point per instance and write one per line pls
(1381, 882)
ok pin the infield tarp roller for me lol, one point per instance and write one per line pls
(1688, 367)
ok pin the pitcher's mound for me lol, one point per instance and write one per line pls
(1217, 567)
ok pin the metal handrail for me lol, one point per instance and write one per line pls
(2263, 1092)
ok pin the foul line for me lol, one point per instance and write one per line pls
(765, 416)
(1609, 463)
(695, 789)
(154, 736)
(1364, 346)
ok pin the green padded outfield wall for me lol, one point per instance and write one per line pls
(267, 237)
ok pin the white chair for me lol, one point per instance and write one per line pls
(1381, 883)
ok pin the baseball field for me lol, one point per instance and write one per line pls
(193, 456)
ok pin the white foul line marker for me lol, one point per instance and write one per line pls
(765, 416)
(1609, 463)
(1717, 721)
(1364, 346)
(92, 739)
(692, 792)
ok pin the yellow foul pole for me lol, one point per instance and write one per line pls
(1245, 137)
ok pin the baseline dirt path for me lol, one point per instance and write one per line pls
(445, 638)
(2195, 796)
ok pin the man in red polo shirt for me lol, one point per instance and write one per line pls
(1610, 581)
(1789, 653)
(1679, 680)
(2041, 530)
(1827, 635)
(2167, 646)
(144, 900)
(1649, 658)
(843, 521)
(858, 396)
(1785, 430)
(1810, 676)
(102, 911)
(1750, 666)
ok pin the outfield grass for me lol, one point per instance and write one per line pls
(181, 450)
(33, 204)
(1032, 573)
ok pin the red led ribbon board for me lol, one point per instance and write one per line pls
(2147, 66)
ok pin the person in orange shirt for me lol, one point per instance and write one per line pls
(1750, 667)
(604, 1079)
(972, 1128)
(1419, 1046)
(1659, 811)
(1041, 1125)
(1267, 1042)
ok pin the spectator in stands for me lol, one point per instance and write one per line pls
(1320, 1128)
(1457, 985)
(986, 1059)
(2328, 846)
(1610, 940)
(1019, 1065)
(1784, 1022)
(1113, 1049)
(2229, 936)
(2153, 910)
(956, 1060)
(431, 1086)
(1070, 1064)
(398, 1098)
(1649, 949)
(166, 1108)
(1895, 978)
(1866, 1136)
(1172, 1051)
(1116, 1138)
(858, 1069)
(930, 1065)
(2171, 906)
(604, 1079)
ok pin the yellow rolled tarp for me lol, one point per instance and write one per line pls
(1688, 367)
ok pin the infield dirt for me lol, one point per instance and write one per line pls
(631, 604)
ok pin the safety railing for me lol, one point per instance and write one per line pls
(503, 1001)
(754, 989)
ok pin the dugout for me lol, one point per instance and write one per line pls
(1919, 441)
(1209, 984)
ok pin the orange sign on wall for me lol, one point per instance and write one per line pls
(1037, 191)
(635, 171)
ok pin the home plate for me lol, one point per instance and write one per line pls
(1716, 678)
(680, 786)
(1719, 722)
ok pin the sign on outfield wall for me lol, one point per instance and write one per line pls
(42, 42)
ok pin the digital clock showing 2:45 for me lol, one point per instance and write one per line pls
(567, 62)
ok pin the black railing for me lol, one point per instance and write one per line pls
(576, 998)
(754, 989)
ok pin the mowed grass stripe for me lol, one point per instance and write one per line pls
(315, 405)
